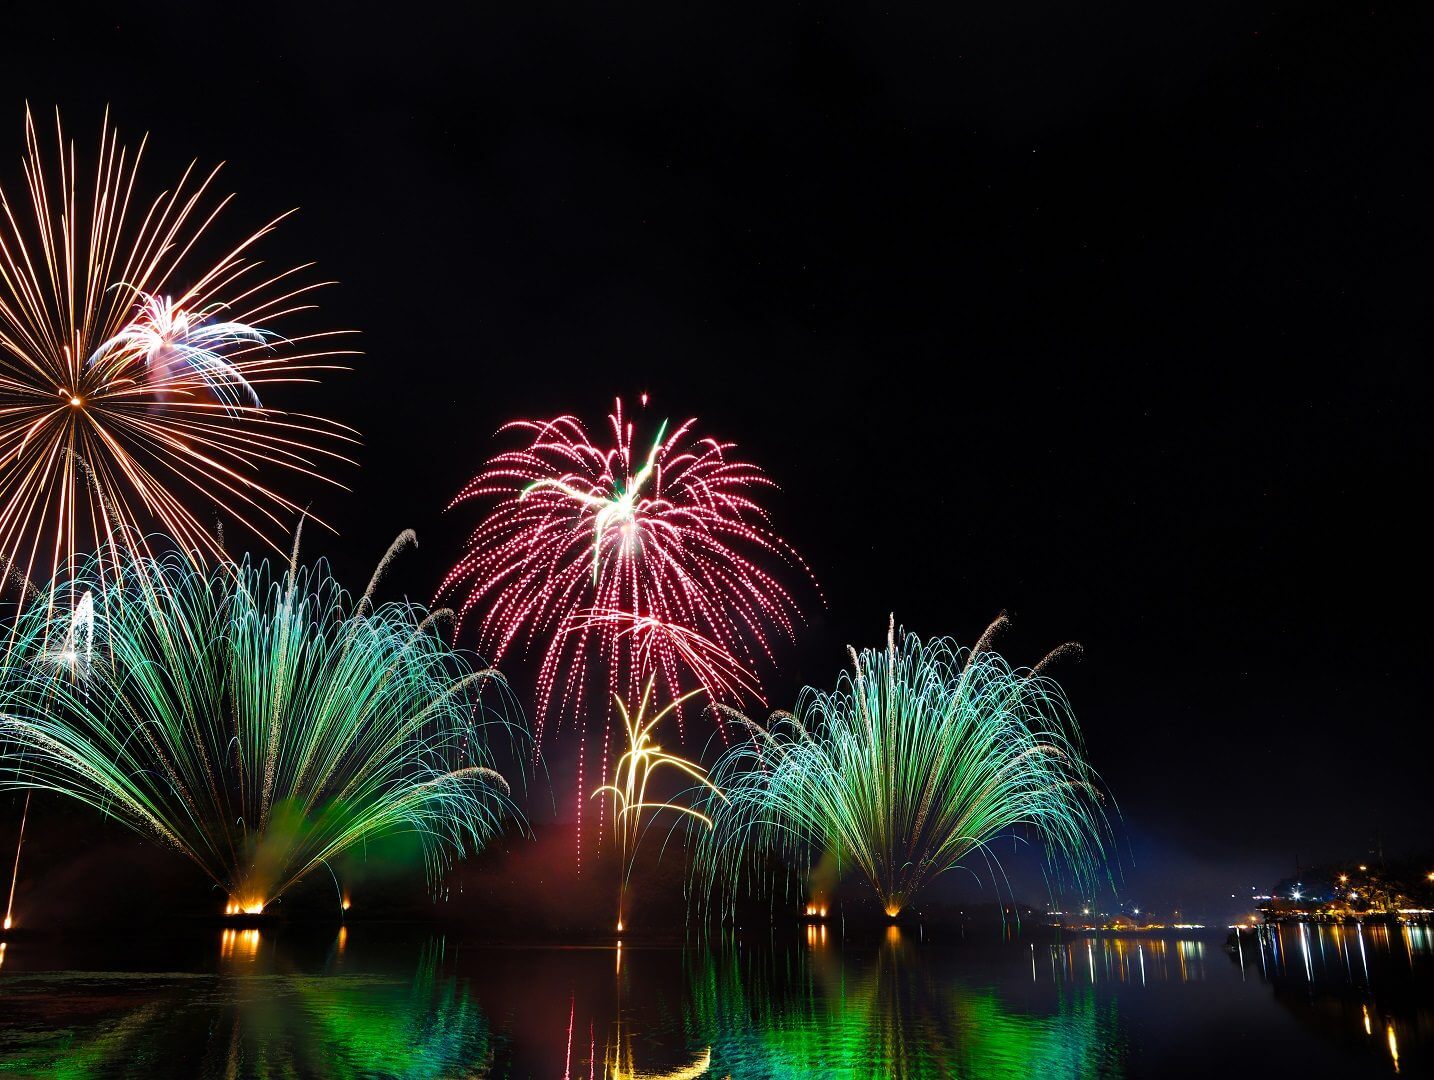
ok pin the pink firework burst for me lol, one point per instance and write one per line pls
(612, 562)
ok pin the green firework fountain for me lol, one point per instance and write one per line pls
(923, 754)
(261, 724)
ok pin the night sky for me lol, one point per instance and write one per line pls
(1111, 316)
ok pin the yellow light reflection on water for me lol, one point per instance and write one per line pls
(620, 1069)
(1127, 960)
(235, 944)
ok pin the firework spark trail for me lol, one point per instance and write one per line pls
(631, 778)
(586, 547)
(923, 754)
(674, 650)
(261, 725)
(131, 370)
(76, 651)
(572, 1014)
(407, 538)
(15, 873)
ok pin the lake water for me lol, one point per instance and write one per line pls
(378, 1001)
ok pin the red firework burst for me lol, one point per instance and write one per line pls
(622, 560)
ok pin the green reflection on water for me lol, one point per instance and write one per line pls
(898, 1009)
(76, 1025)
(818, 1014)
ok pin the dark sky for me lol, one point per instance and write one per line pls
(1114, 316)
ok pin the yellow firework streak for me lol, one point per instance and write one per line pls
(631, 778)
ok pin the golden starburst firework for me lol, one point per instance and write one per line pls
(132, 365)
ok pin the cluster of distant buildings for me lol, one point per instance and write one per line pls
(1350, 893)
